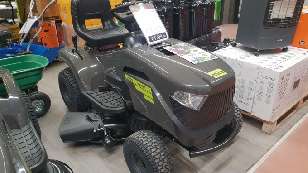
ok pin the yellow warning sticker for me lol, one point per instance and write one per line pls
(217, 73)
(142, 88)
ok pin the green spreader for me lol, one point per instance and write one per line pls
(27, 71)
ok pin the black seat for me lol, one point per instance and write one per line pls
(110, 33)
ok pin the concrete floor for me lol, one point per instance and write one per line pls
(248, 148)
(290, 153)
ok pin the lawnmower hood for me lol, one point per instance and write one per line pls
(198, 78)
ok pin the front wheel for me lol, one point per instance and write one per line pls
(145, 151)
(41, 103)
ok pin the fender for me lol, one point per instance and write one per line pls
(88, 70)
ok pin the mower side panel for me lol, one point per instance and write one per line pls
(87, 69)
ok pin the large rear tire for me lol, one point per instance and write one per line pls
(144, 151)
(71, 93)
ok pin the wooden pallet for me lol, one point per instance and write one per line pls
(269, 127)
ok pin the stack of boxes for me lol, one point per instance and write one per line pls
(51, 12)
(267, 86)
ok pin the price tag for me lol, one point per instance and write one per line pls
(190, 53)
(149, 22)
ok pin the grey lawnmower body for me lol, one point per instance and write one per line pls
(111, 94)
(20, 144)
(164, 75)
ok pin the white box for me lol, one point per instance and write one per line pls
(245, 82)
(270, 84)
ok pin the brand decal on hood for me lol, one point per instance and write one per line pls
(217, 73)
(141, 87)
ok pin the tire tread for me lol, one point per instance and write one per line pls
(156, 152)
(77, 102)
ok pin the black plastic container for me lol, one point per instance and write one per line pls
(186, 20)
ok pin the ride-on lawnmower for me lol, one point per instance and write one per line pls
(21, 148)
(122, 88)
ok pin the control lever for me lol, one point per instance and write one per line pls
(75, 43)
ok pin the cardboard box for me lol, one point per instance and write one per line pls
(13, 29)
(51, 11)
(270, 84)
(245, 82)
(65, 11)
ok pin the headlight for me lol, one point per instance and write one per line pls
(189, 100)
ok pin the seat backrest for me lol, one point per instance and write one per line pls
(111, 33)
(90, 9)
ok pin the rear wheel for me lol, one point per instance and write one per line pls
(41, 103)
(71, 93)
(145, 151)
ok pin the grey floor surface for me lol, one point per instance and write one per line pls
(248, 148)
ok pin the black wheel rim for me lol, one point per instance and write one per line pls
(39, 106)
